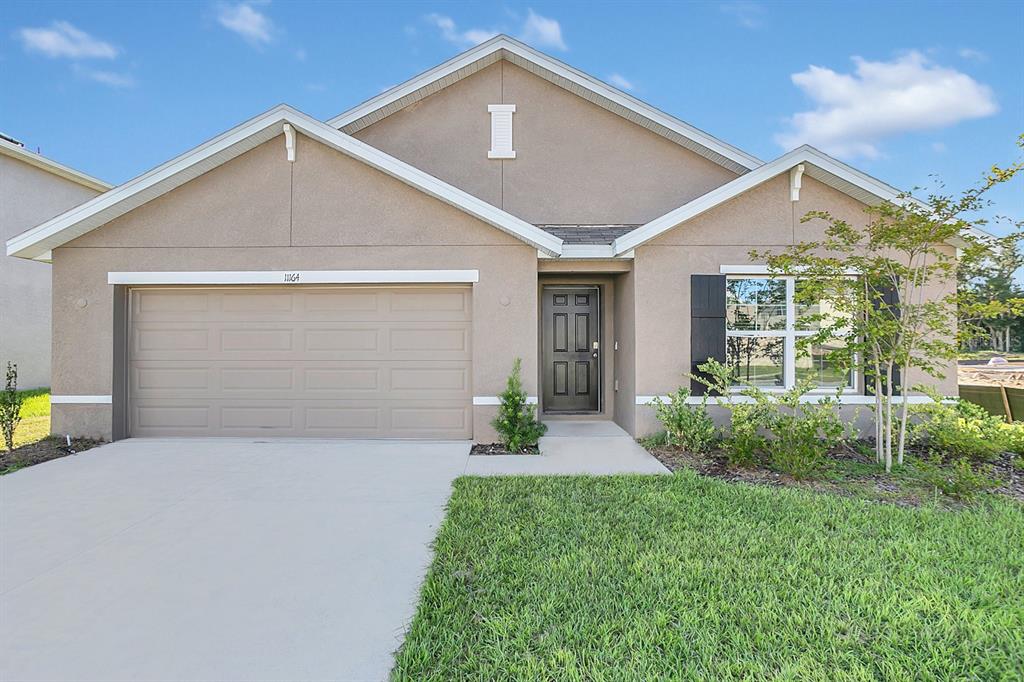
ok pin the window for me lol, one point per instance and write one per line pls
(762, 325)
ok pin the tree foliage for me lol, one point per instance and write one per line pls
(904, 246)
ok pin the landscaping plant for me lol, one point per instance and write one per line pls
(960, 429)
(10, 406)
(687, 426)
(879, 282)
(516, 423)
(960, 479)
(803, 433)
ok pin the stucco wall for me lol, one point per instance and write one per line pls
(575, 162)
(763, 218)
(625, 355)
(29, 196)
(259, 212)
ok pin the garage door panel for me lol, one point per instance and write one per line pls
(322, 362)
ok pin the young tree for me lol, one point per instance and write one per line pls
(880, 281)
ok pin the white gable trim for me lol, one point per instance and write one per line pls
(104, 208)
(49, 165)
(563, 75)
(816, 164)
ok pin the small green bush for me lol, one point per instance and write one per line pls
(803, 433)
(687, 426)
(10, 406)
(961, 429)
(516, 423)
(745, 442)
(960, 479)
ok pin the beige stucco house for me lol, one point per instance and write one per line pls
(375, 275)
(33, 189)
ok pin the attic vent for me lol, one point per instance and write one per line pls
(501, 131)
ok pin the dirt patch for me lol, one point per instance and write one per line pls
(499, 449)
(43, 451)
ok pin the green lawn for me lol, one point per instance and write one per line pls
(684, 577)
(35, 417)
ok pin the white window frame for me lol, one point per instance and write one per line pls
(789, 335)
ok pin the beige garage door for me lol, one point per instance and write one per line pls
(326, 362)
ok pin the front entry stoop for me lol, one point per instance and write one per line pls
(573, 447)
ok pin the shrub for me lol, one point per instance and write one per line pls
(516, 423)
(687, 426)
(745, 441)
(959, 479)
(10, 406)
(803, 433)
(960, 429)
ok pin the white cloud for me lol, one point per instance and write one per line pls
(254, 26)
(619, 81)
(467, 38)
(856, 111)
(747, 14)
(973, 55)
(537, 30)
(109, 78)
(301, 54)
(64, 40)
(542, 32)
(938, 147)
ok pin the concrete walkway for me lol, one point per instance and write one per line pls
(574, 447)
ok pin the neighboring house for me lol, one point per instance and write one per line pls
(376, 275)
(32, 189)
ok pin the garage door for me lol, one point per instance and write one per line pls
(325, 362)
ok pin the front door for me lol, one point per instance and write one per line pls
(571, 349)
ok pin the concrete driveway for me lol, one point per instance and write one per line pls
(217, 559)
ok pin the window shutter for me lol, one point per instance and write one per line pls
(891, 298)
(707, 324)
(501, 131)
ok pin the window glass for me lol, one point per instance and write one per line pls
(755, 304)
(813, 363)
(756, 360)
(763, 325)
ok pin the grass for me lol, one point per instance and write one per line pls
(685, 577)
(35, 417)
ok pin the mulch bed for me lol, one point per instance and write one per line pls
(43, 451)
(499, 449)
(884, 486)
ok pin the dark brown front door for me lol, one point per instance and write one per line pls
(571, 349)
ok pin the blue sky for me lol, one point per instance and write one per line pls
(114, 89)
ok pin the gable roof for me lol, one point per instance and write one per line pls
(817, 164)
(40, 240)
(18, 152)
(554, 71)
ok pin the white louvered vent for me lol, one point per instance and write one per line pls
(501, 131)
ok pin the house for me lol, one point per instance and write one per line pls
(376, 275)
(33, 189)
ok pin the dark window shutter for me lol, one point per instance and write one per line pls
(891, 298)
(707, 324)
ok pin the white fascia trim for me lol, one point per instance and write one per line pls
(163, 179)
(495, 400)
(719, 195)
(646, 400)
(289, 277)
(51, 166)
(81, 399)
(613, 95)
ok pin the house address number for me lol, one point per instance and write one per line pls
(291, 277)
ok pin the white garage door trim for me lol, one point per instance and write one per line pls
(298, 277)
